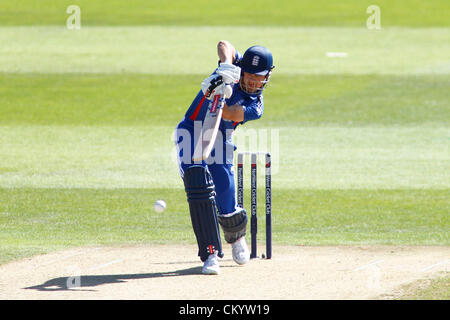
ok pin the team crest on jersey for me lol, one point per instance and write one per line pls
(255, 60)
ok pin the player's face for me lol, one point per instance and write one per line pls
(252, 82)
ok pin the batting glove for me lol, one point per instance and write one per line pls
(229, 72)
(214, 85)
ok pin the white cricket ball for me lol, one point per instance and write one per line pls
(159, 206)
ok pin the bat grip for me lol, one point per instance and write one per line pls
(214, 84)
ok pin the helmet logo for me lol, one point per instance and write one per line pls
(255, 61)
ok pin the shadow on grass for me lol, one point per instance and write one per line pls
(79, 282)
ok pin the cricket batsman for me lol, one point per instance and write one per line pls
(239, 81)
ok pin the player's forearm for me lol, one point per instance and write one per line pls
(233, 113)
(226, 51)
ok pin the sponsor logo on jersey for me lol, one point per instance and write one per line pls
(259, 110)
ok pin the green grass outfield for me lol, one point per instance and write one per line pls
(234, 12)
(360, 144)
(169, 50)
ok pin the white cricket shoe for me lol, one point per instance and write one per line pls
(240, 252)
(211, 265)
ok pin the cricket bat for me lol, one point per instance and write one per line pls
(209, 129)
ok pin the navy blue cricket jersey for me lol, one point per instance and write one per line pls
(253, 105)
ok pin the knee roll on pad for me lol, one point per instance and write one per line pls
(198, 184)
(199, 188)
(234, 226)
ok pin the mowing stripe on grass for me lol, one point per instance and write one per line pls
(290, 100)
(176, 50)
(74, 217)
(251, 12)
(144, 157)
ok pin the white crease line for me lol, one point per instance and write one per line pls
(368, 265)
(435, 265)
(105, 265)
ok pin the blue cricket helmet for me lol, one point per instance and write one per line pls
(256, 60)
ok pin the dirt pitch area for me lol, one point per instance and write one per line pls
(174, 272)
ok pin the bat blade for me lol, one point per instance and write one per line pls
(209, 130)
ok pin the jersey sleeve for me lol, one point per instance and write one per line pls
(254, 110)
(237, 58)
